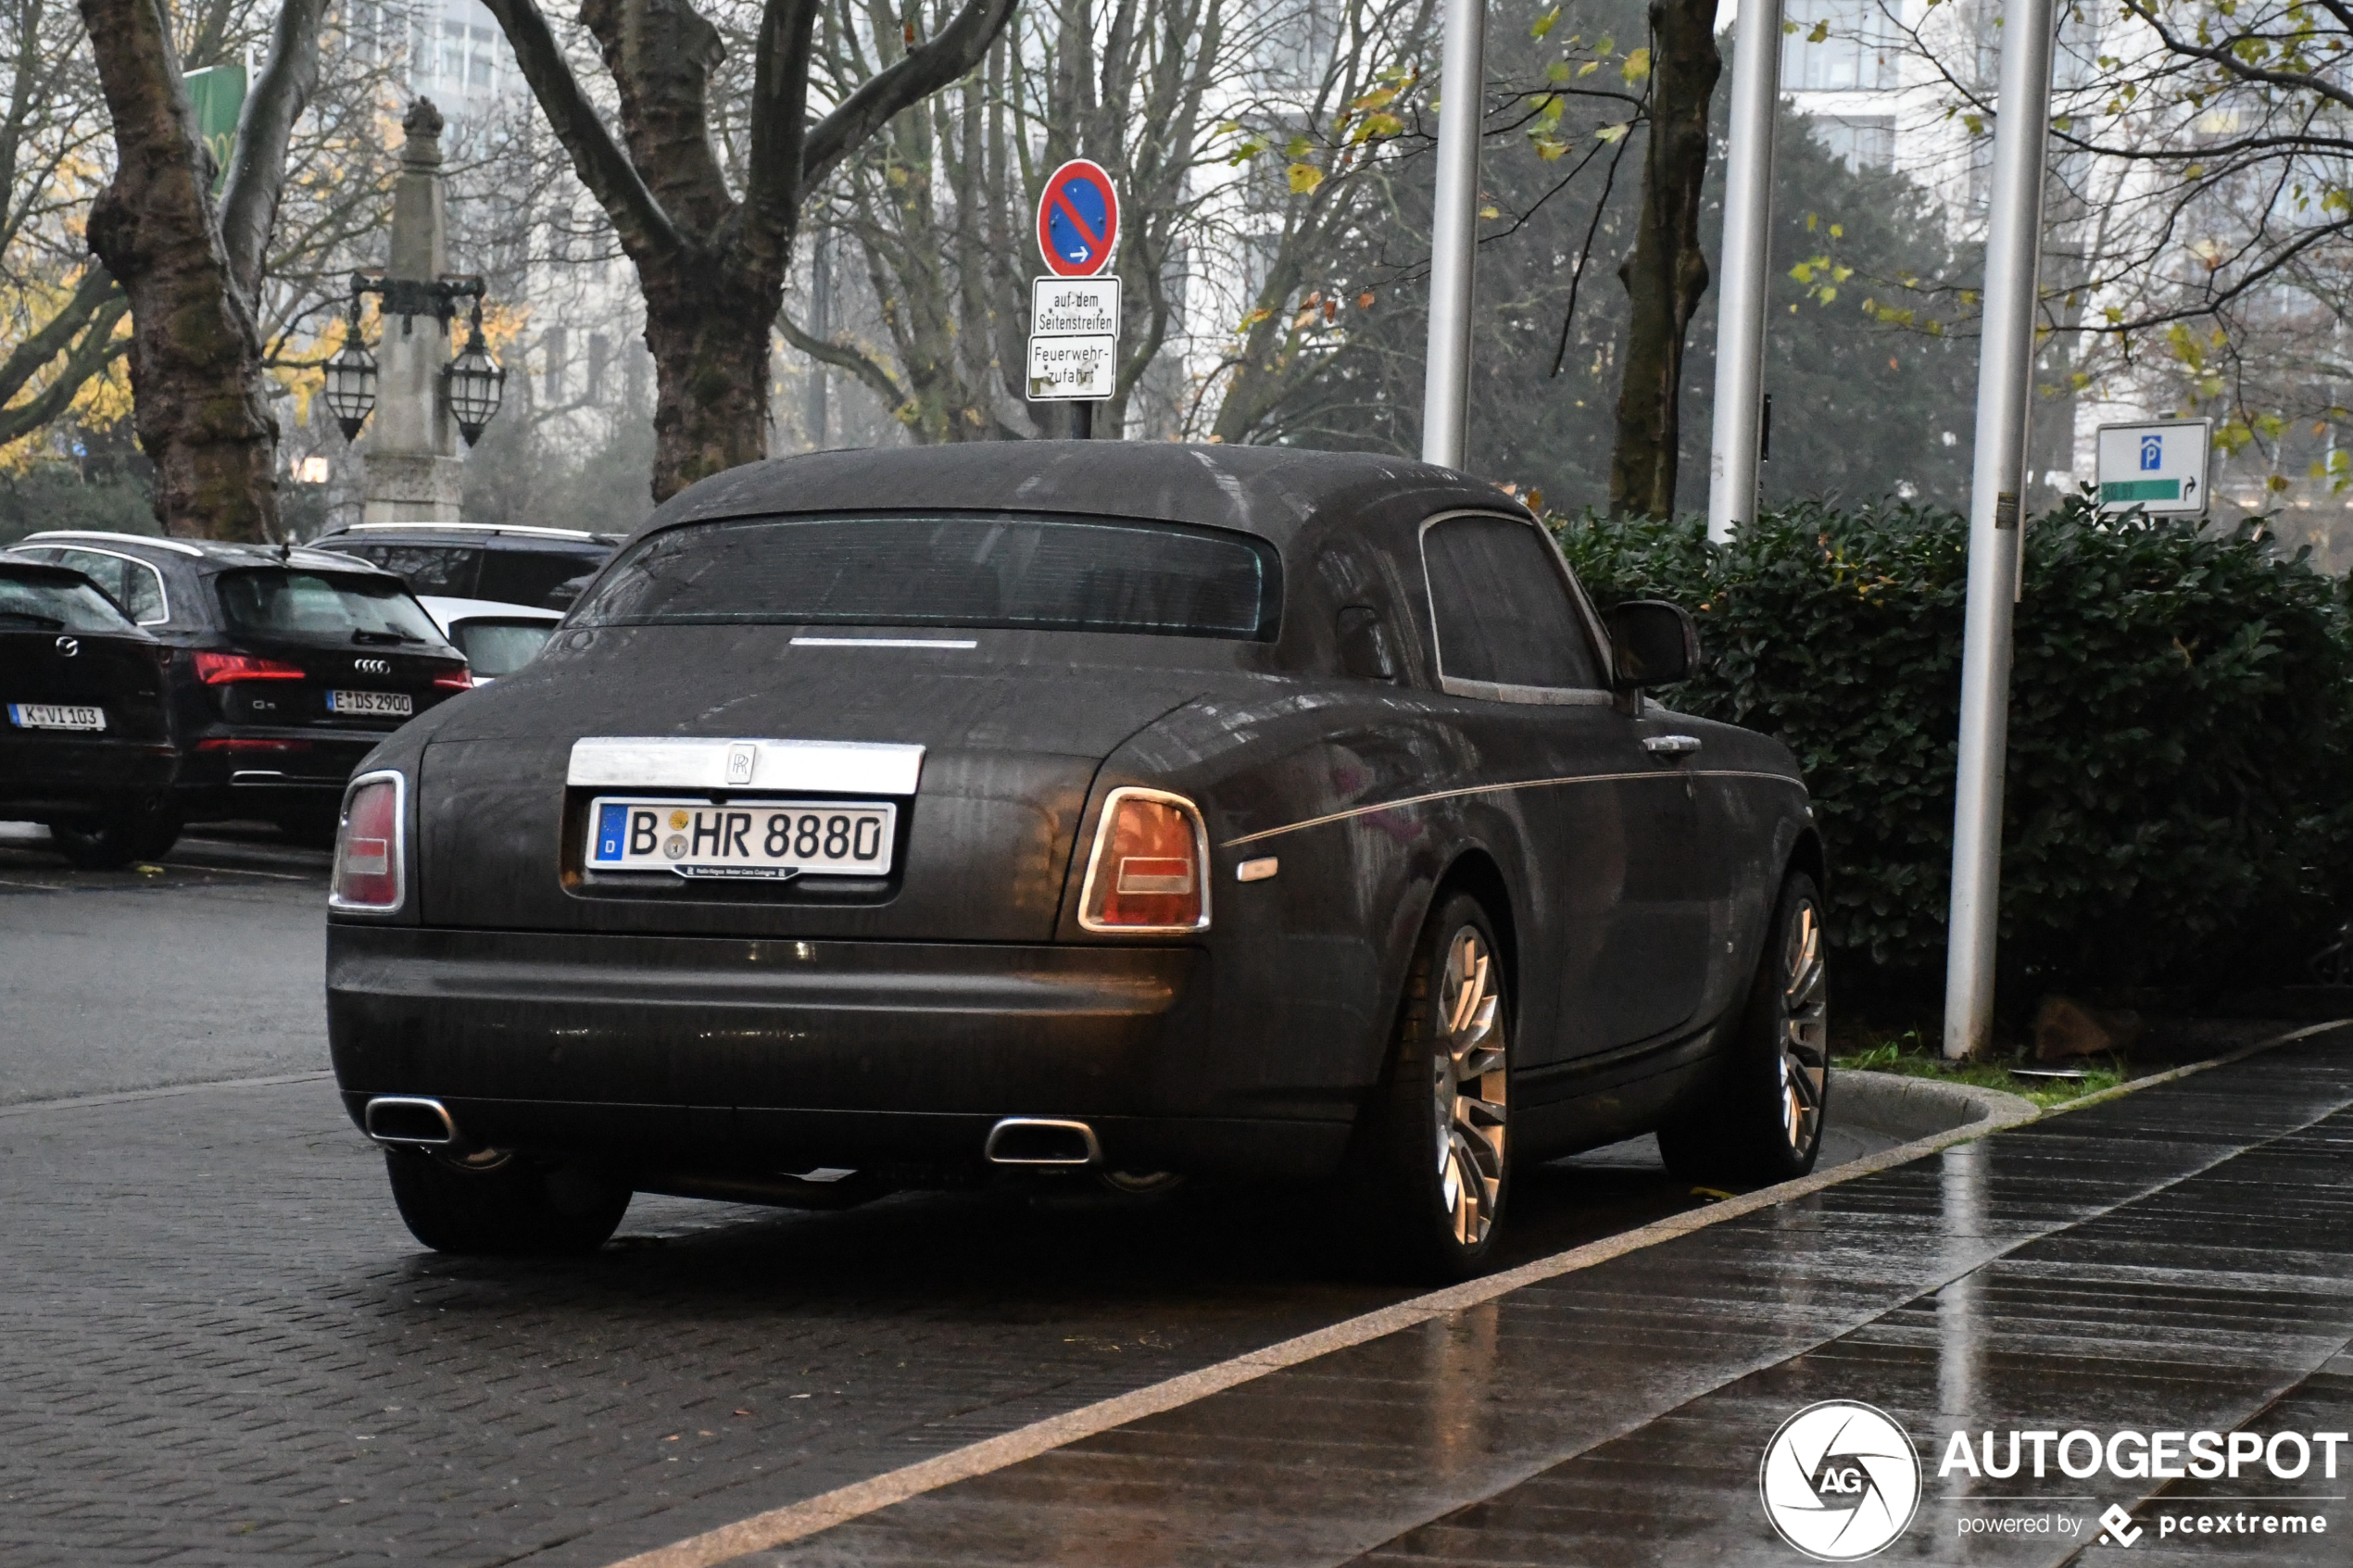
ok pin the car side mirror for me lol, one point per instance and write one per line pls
(1652, 644)
(1364, 645)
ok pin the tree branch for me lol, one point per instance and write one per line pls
(257, 167)
(644, 227)
(877, 380)
(960, 46)
(31, 356)
(98, 348)
(779, 126)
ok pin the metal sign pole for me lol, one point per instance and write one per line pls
(1453, 240)
(1740, 310)
(2004, 381)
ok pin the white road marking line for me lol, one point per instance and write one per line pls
(780, 1527)
(764, 1531)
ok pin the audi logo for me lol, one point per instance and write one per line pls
(372, 666)
(69, 647)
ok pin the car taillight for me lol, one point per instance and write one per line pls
(459, 680)
(1150, 871)
(220, 669)
(368, 847)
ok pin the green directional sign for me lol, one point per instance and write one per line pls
(219, 93)
(2126, 489)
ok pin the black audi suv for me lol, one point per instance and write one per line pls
(84, 743)
(286, 665)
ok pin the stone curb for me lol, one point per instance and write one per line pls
(1908, 1107)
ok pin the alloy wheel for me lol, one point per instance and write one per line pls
(1805, 1029)
(1469, 1072)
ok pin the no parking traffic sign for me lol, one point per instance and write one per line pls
(1077, 220)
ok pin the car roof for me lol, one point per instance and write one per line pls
(1285, 495)
(216, 554)
(448, 610)
(497, 535)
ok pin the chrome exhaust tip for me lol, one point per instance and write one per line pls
(1038, 1140)
(408, 1121)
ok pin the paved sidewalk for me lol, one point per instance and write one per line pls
(2181, 1258)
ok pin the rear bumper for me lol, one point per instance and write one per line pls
(249, 771)
(54, 777)
(780, 1055)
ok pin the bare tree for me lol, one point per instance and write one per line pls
(193, 274)
(57, 311)
(713, 264)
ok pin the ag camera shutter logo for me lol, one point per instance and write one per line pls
(1840, 1481)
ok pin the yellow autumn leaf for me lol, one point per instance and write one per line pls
(1491, 211)
(1637, 65)
(1545, 24)
(1305, 177)
(1549, 147)
(1589, 68)
(1611, 132)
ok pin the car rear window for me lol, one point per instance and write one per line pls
(976, 570)
(320, 607)
(499, 647)
(43, 601)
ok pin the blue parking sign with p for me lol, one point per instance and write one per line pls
(2152, 452)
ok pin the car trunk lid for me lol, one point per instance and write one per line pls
(1006, 760)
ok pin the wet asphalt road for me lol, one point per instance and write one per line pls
(224, 1346)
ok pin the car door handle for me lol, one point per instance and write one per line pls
(1670, 745)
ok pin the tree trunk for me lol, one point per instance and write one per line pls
(703, 326)
(713, 265)
(195, 352)
(1667, 273)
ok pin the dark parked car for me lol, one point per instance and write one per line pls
(287, 665)
(85, 745)
(541, 567)
(1149, 810)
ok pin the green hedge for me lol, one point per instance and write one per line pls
(2177, 811)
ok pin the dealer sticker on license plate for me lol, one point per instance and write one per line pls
(754, 840)
(394, 705)
(54, 716)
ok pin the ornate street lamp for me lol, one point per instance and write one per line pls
(351, 382)
(477, 384)
(473, 383)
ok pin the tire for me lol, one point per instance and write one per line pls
(115, 839)
(1433, 1169)
(503, 1205)
(1761, 1120)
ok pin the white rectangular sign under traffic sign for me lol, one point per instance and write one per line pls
(1074, 307)
(1072, 369)
(2158, 466)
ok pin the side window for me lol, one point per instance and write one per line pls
(527, 577)
(427, 569)
(135, 586)
(1502, 607)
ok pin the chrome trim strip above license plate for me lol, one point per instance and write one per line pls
(835, 767)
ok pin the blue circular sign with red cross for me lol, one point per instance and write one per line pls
(1077, 220)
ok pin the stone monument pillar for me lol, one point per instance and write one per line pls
(414, 474)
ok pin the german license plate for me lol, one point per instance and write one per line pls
(56, 716)
(377, 705)
(750, 840)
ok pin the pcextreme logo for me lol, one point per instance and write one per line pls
(1840, 1481)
